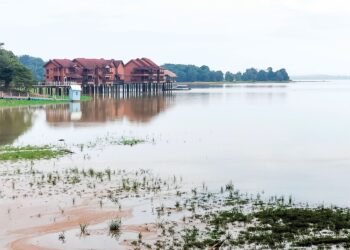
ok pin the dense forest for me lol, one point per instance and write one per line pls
(192, 73)
(253, 75)
(35, 64)
(12, 72)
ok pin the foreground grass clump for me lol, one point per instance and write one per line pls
(114, 225)
(10, 153)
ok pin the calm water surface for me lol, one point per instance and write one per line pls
(283, 139)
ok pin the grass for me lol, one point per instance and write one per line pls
(83, 228)
(130, 142)
(10, 153)
(19, 103)
(273, 224)
(114, 225)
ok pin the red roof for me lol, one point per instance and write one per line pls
(93, 63)
(65, 63)
(169, 73)
(117, 62)
(144, 63)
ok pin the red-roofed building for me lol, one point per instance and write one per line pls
(102, 71)
(143, 71)
(169, 76)
(61, 71)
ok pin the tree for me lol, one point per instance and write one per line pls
(219, 76)
(192, 73)
(229, 77)
(282, 75)
(270, 74)
(250, 75)
(35, 65)
(238, 77)
(12, 71)
(253, 75)
(262, 76)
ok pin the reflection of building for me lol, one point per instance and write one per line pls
(140, 109)
(102, 71)
(74, 110)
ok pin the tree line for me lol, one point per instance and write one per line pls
(12, 72)
(254, 75)
(192, 73)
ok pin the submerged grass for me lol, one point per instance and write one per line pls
(10, 153)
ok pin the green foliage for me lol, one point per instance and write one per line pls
(30, 153)
(300, 220)
(115, 225)
(35, 65)
(18, 103)
(192, 73)
(12, 72)
(253, 75)
(130, 142)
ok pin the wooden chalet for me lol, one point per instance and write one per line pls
(102, 75)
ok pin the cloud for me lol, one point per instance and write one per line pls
(225, 34)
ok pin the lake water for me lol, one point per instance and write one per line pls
(291, 139)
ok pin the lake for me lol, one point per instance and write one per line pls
(291, 139)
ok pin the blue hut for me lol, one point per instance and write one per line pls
(74, 93)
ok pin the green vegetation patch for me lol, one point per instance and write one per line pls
(276, 226)
(130, 141)
(18, 103)
(9, 153)
(301, 226)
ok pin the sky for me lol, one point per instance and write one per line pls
(303, 36)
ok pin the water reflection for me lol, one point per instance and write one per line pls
(75, 111)
(100, 110)
(14, 122)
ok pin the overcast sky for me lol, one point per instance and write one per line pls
(303, 36)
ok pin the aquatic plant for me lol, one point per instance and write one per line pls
(83, 228)
(62, 237)
(114, 225)
(10, 153)
(130, 142)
